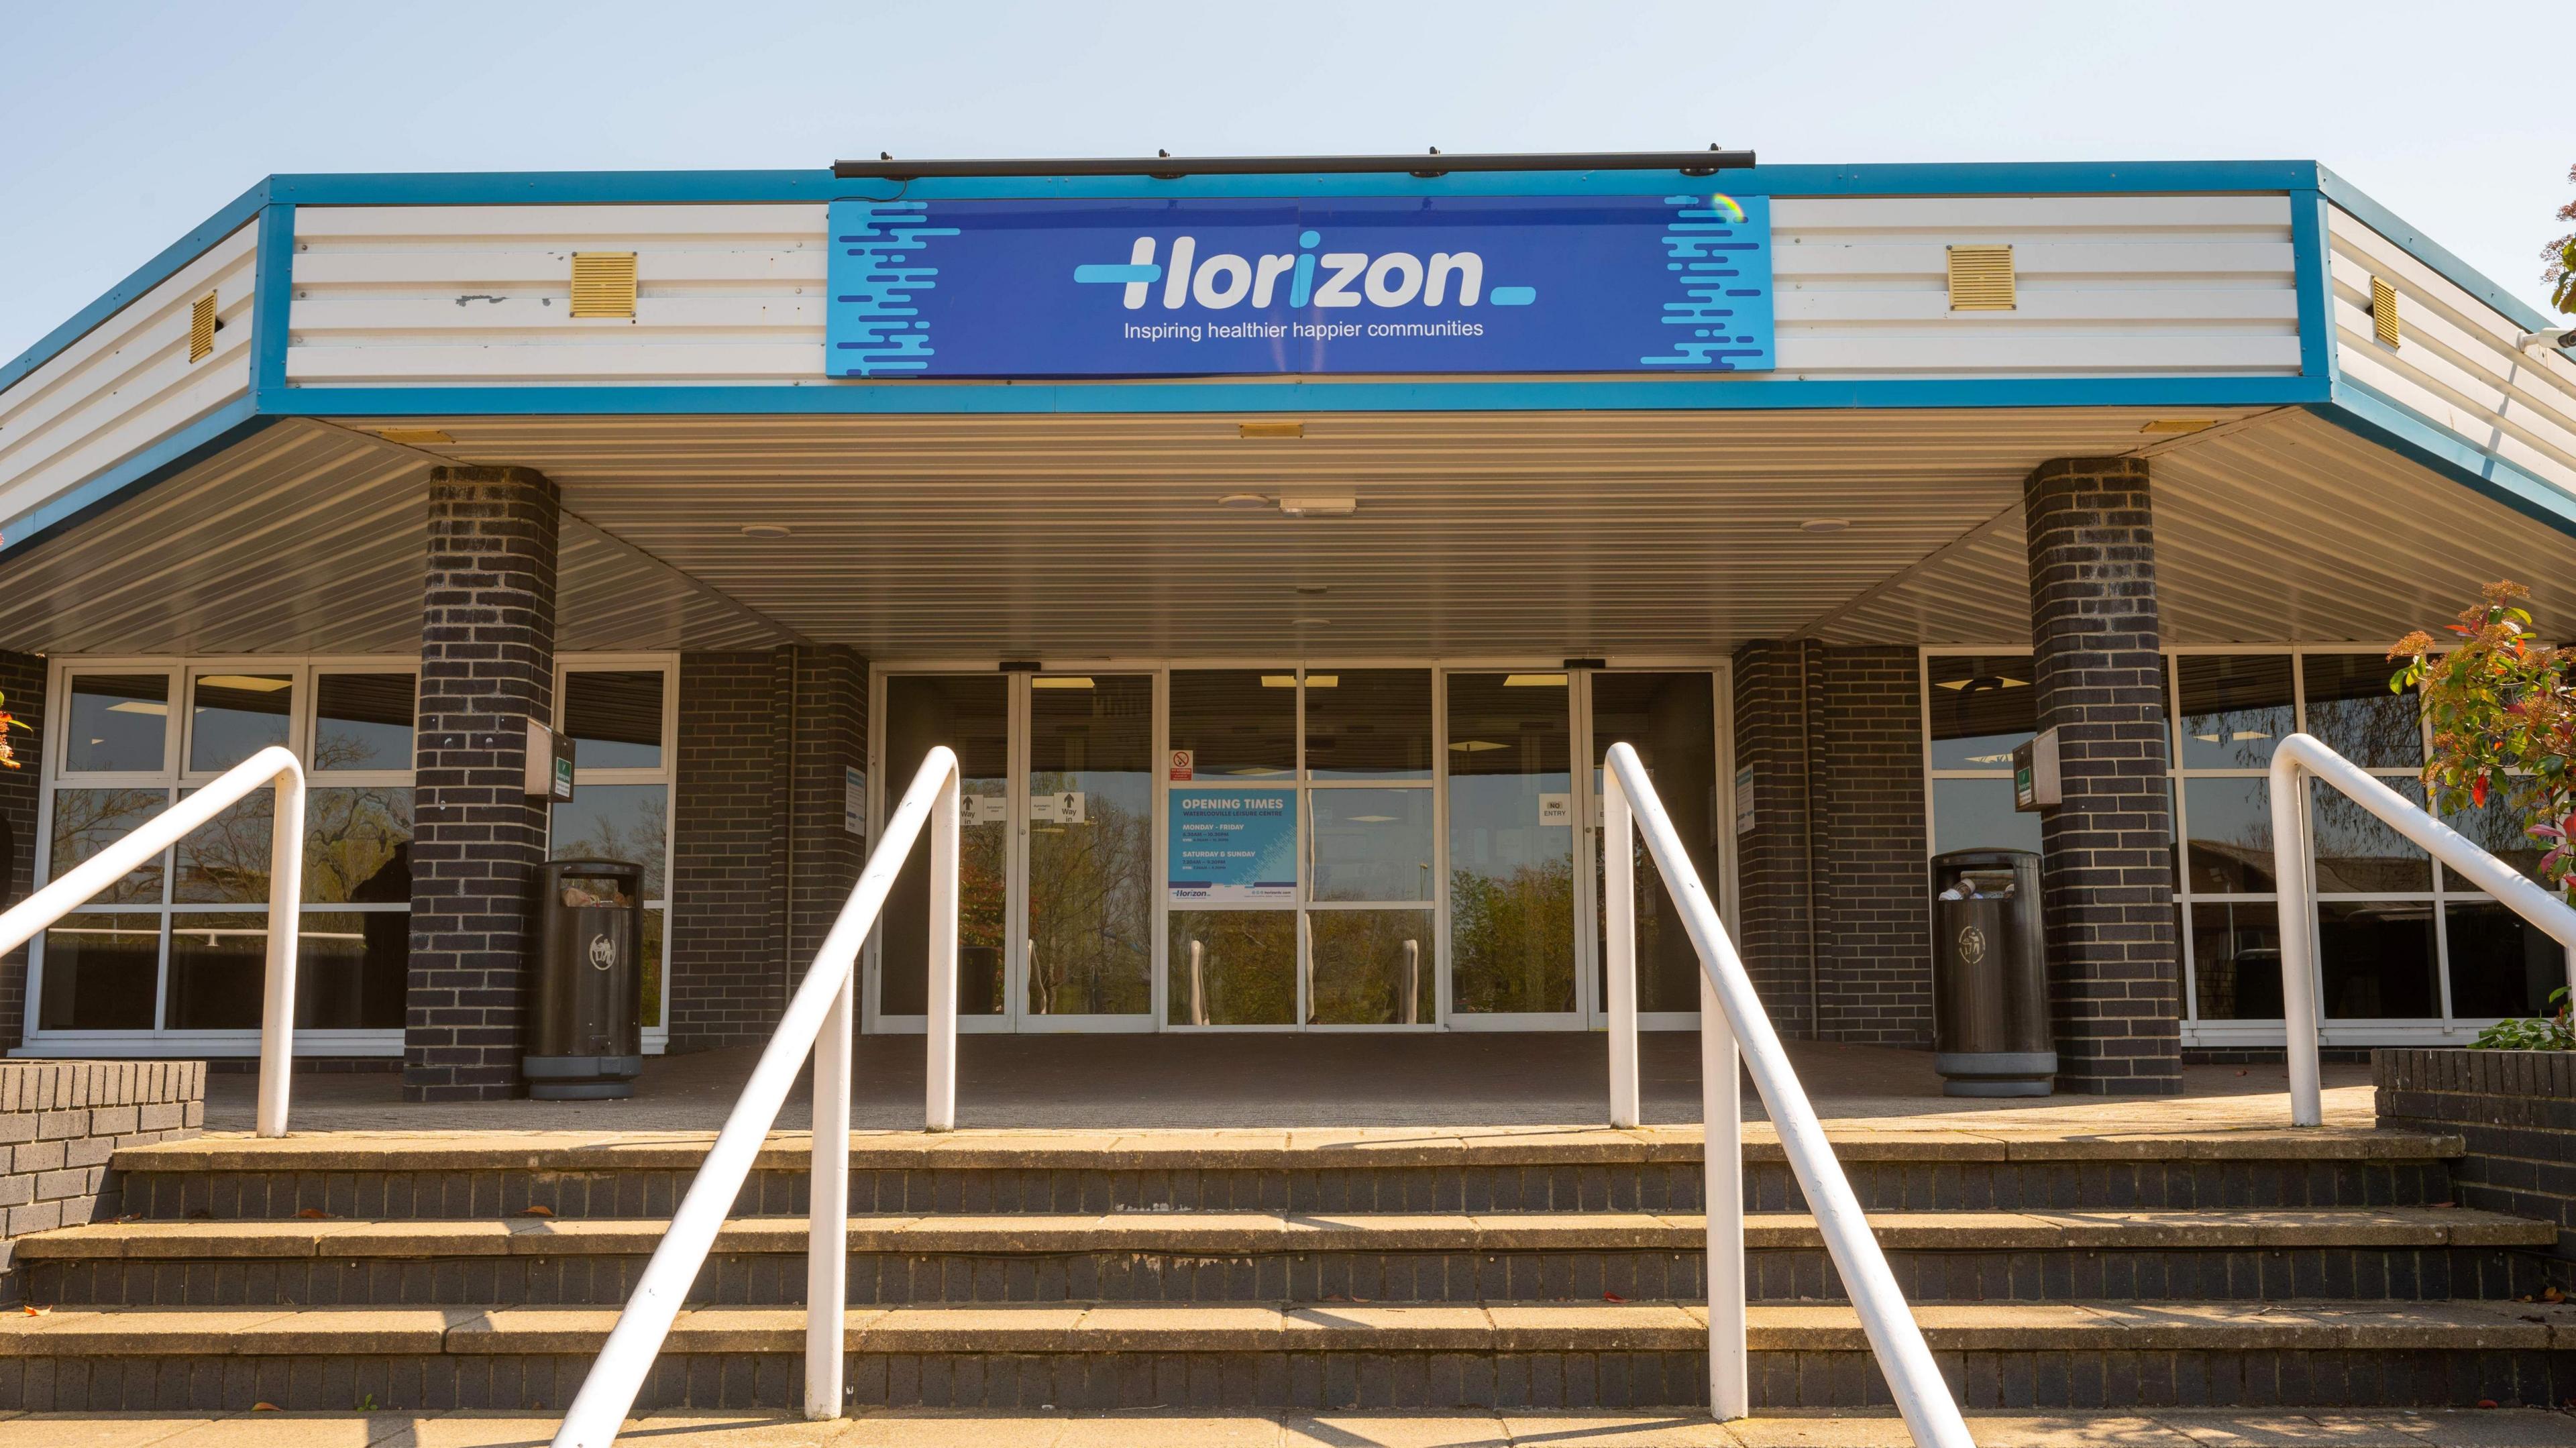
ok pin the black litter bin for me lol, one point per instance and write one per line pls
(1990, 1032)
(586, 1016)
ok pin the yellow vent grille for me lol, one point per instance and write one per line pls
(603, 284)
(1981, 279)
(2383, 311)
(201, 328)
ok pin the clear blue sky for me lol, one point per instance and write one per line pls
(124, 124)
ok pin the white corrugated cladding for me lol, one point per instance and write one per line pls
(311, 538)
(2284, 528)
(2455, 362)
(2108, 285)
(128, 383)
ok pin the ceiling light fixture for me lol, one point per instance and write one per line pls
(1061, 681)
(1243, 500)
(1318, 505)
(1270, 429)
(766, 532)
(1308, 622)
(1824, 525)
(1533, 681)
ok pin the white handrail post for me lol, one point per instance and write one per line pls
(285, 907)
(2296, 911)
(827, 1213)
(939, 1053)
(1619, 910)
(1721, 1103)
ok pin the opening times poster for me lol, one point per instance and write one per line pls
(1232, 846)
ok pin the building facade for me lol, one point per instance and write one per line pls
(1280, 639)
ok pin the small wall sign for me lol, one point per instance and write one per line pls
(1184, 765)
(1744, 800)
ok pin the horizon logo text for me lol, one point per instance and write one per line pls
(1347, 278)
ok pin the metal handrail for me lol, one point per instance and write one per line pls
(818, 1020)
(2295, 886)
(276, 764)
(1732, 1022)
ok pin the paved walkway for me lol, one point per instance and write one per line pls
(2499, 1428)
(1271, 1081)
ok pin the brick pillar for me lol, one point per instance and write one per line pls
(761, 864)
(22, 694)
(487, 653)
(1875, 927)
(1775, 921)
(2105, 853)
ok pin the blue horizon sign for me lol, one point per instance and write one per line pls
(1229, 286)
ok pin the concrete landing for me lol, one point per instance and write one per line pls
(2272, 1428)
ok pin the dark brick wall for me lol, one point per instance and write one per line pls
(1875, 930)
(1834, 739)
(764, 738)
(2105, 882)
(2516, 1113)
(487, 644)
(22, 682)
(1775, 928)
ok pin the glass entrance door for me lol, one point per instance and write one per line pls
(1670, 717)
(1055, 895)
(1512, 904)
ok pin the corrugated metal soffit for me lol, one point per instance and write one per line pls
(2383, 311)
(603, 284)
(1981, 279)
(201, 328)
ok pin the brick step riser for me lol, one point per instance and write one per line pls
(1570, 1275)
(1655, 1187)
(2079, 1379)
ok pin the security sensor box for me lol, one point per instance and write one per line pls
(549, 765)
(2035, 780)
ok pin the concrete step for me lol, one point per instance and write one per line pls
(1476, 1170)
(211, 1426)
(1105, 1356)
(2390, 1252)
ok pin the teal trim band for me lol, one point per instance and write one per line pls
(2315, 285)
(2372, 415)
(142, 279)
(1995, 178)
(272, 302)
(185, 448)
(1535, 395)
(2428, 251)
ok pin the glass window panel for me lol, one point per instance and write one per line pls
(970, 713)
(2355, 852)
(2501, 964)
(362, 721)
(118, 722)
(1671, 721)
(1370, 844)
(2351, 710)
(2234, 708)
(614, 717)
(2236, 959)
(226, 861)
(1368, 724)
(2377, 958)
(234, 716)
(1982, 705)
(1370, 968)
(218, 971)
(2229, 848)
(1236, 723)
(357, 845)
(630, 822)
(87, 821)
(1511, 844)
(1232, 967)
(1091, 846)
(2499, 829)
(351, 968)
(1978, 814)
(99, 972)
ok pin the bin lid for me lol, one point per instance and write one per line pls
(1966, 859)
(612, 869)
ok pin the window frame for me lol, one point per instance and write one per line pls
(174, 779)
